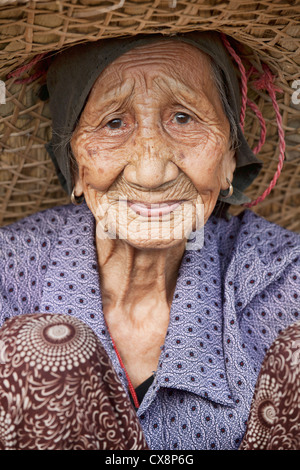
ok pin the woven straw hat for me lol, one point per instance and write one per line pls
(262, 33)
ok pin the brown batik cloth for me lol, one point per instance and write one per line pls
(59, 391)
(274, 421)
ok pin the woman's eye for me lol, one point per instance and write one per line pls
(115, 124)
(182, 118)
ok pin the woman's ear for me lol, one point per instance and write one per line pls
(228, 167)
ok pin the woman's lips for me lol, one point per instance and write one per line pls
(153, 210)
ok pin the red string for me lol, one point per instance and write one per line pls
(244, 88)
(130, 386)
(265, 82)
(24, 68)
(263, 130)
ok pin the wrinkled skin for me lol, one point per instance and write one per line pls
(153, 130)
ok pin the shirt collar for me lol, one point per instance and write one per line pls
(193, 357)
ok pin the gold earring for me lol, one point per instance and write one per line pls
(230, 189)
(76, 200)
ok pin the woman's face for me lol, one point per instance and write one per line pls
(152, 145)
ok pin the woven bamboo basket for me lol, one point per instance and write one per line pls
(265, 31)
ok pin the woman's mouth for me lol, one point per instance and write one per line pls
(153, 210)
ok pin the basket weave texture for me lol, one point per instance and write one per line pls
(265, 31)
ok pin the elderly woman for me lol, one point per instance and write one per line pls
(146, 131)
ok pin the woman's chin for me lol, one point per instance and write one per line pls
(153, 244)
(153, 239)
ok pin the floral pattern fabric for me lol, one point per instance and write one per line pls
(59, 391)
(274, 421)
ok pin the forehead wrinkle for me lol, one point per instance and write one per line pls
(163, 51)
(178, 56)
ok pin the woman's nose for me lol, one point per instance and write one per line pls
(151, 166)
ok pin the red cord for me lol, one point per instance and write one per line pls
(23, 68)
(244, 90)
(130, 386)
(263, 130)
(265, 82)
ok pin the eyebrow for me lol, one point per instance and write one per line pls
(116, 95)
(190, 96)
